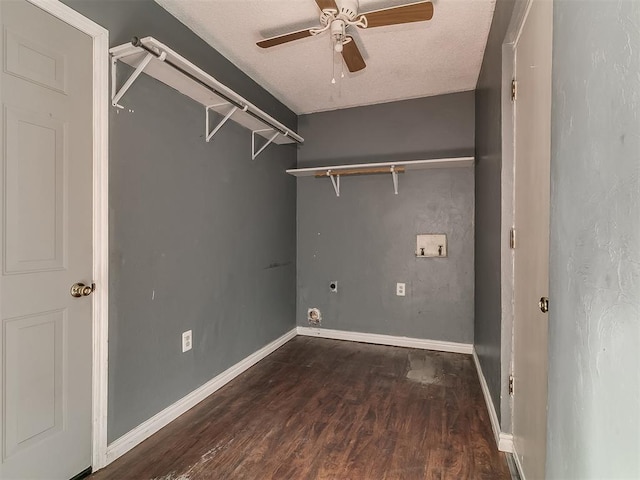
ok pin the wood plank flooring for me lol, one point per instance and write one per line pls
(328, 409)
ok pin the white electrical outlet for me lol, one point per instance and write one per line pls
(400, 289)
(187, 341)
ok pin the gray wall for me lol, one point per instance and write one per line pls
(365, 239)
(201, 237)
(488, 125)
(594, 332)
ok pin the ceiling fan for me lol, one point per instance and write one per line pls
(338, 20)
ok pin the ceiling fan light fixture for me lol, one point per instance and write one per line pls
(338, 32)
(338, 29)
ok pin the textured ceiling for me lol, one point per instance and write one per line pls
(439, 56)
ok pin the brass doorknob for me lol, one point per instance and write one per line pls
(82, 290)
(544, 304)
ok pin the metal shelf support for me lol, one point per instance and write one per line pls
(209, 134)
(254, 153)
(335, 179)
(115, 97)
(394, 176)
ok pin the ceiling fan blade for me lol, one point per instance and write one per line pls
(414, 12)
(327, 5)
(289, 37)
(352, 56)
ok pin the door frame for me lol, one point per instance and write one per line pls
(516, 24)
(100, 223)
(509, 125)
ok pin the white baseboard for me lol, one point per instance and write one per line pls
(504, 441)
(516, 459)
(143, 431)
(423, 344)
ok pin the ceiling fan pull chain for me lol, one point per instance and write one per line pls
(342, 42)
(333, 64)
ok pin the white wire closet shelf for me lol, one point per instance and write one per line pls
(152, 57)
(334, 172)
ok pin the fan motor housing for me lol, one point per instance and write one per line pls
(349, 9)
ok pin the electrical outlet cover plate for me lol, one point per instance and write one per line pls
(187, 341)
(431, 246)
(400, 289)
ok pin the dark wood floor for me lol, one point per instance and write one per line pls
(327, 409)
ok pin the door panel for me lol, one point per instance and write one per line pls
(34, 61)
(531, 256)
(46, 178)
(34, 185)
(33, 353)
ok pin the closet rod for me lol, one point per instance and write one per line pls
(135, 41)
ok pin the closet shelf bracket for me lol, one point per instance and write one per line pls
(394, 176)
(334, 174)
(270, 140)
(209, 134)
(116, 96)
(335, 179)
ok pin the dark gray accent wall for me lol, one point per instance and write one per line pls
(430, 127)
(202, 238)
(365, 239)
(594, 366)
(488, 125)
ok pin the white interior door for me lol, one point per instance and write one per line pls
(46, 234)
(531, 256)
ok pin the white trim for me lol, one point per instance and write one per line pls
(423, 344)
(100, 37)
(100, 249)
(71, 17)
(504, 441)
(507, 215)
(516, 459)
(508, 126)
(514, 29)
(518, 19)
(143, 431)
(516, 26)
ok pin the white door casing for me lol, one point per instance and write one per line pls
(51, 143)
(533, 55)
